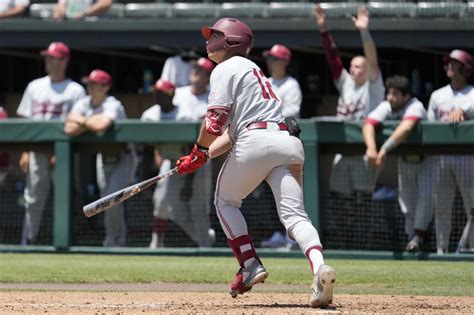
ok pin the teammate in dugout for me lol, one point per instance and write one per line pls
(164, 109)
(261, 148)
(47, 98)
(453, 103)
(414, 171)
(97, 113)
(360, 91)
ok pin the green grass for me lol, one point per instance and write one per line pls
(354, 276)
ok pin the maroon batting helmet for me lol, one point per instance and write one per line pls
(463, 57)
(238, 37)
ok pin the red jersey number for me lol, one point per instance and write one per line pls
(266, 87)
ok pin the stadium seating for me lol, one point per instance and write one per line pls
(440, 9)
(392, 9)
(196, 10)
(244, 9)
(148, 10)
(290, 10)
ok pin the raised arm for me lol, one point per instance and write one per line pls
(361, 22)
(329, 46)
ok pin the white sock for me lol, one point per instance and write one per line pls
(316, 258)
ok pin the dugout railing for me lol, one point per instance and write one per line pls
(321, 138)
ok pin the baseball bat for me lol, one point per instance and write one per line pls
(120, 196)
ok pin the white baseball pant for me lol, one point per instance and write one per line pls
(38, 185)
(271, 155)
(351, 173)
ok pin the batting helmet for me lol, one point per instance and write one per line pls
(463, 57)
(238, 37)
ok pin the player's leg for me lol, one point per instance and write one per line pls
(161, 217)
(244, 169)
(464, 170)
(445, 190)
(286, 182)
(407, 193)
(38, 183)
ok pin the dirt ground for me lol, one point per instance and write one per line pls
(169, 298)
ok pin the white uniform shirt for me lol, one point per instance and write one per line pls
(289, 92)
(444, 100)
(111, 108)
(413, 110)
(356, 102)
(45, 100)
(155, 113)
(191, 107)
(6, 5)
(176, 71)
(239, 85)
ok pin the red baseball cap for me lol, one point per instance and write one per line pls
(99, 76)
(165, 86)
(278, 51)
(57, 50)
(206, 64)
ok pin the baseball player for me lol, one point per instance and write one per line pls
(163, 110)
(48, 98)
(96, 113)
(191, 210)
(261, 148)
(13, 8)
(360, 91)
(453, 103)
(178, 68)
(414, 193)
(284, 85)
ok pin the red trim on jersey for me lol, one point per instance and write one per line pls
(417, 119)
(373, 122)
(332, 55)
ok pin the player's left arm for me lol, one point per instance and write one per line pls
(398, 136)
(74, 124)
(98, 123)
(361, 22)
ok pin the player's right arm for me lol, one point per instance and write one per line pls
(361, 22)
(329, 46)
(368, 132)
(75, 124)
(220, 146)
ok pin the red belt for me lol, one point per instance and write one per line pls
(263, 125)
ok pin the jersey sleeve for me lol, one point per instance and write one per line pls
(339, 83)
(379, 114)
(80, 107)
(222, 92)
(292, 100)
(415, 112)
(26, 103)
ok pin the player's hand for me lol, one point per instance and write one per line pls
(371, 155)
(24, 161)
(361, 22)
(320, 15)
(381, 158)
(192, 162)
(456, 116)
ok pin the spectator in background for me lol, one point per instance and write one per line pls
(97, 113)
(48, 98)
(453, 104)
(414, 171)
(178, 68)
(162, 110)
(80, 9)
(191, 211)
(285, 86)
(13, 8)
(360, 91)
(4, 156)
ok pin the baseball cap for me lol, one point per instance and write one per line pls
(278, 51)
(99, 76)
(165, 86)
(205, 64)
(57, 50)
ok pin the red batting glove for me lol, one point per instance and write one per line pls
(190, 163)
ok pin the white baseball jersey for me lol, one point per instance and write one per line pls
(155, 113)
(239, 85)
(46, 100)
(191, 107)
(356, 102)
(6, 5)
(444, 100)
(111, 108)
(413, 110)
(176, 71)
(289, 92)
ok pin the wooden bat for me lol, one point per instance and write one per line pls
(120, 196)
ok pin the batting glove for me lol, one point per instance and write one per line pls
(192, 162)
